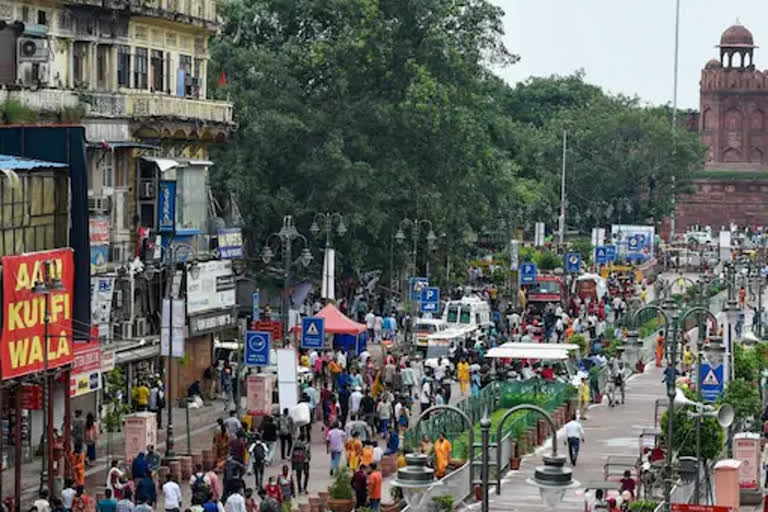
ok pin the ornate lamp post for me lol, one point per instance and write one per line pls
(287, 235)
(50, 285)
(416, 227)
(324, 221)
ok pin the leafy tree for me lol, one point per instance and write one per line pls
(684, 434)
(747, 363)
(744, 397)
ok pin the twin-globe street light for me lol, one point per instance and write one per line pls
(552, 479)
(287, 235)
(416, 226)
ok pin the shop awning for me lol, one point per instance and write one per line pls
(337, 323)
(163, 163)
(139, 354)
(13, 162)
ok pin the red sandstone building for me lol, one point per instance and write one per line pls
(733, 122)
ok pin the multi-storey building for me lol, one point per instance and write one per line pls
(133, 73)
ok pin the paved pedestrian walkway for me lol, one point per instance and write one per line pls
(608, 431)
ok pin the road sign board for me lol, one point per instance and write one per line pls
(685, 507)
(601, 255)
(528, 273)
(430, 299)
(610, 251)
(255, 307)
(711, 382)
(312, 332)
(573, 262)
(257, 345)
(415, 285)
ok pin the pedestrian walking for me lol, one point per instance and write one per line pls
(335, 443)
(235, 502)
(91, 437)
(268, 430)
(258, 451)
(374, 487)
(78, 428)
(360, 485)
(300, 457)
(171, 494)
(125, 504)
(574, 433)
(107, 504)
(583, 398)
(286, 434)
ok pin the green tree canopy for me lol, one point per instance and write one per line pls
(385, 110)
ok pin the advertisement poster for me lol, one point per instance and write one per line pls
(212, 286)
(102, 289)
(166, 206)
(230, 243)
(23, 335)
(98, 226)
(178, 327)
(83, 383)
(746, 448)
(259, 394)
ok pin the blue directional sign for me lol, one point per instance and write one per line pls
(711, 382)
(256, 311)
(573, 262)
(312, 332)
(528, 273)
(430, 299)
(416, 284)
(257, 345)
(601, 255)
(610, 251)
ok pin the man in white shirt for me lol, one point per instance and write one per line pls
(370, 318)
(341, 358)
(171, 494)
(67, 495)
(41, 504)
(312, 358)
(235, 502)
(426, 394)
(316, 306)
(364, 355)
(378, 453)
(575, 434)
(354, 401)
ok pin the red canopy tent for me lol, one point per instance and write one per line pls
(350, 335)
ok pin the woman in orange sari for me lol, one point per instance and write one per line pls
(659, 350)
(354, 449)
(442, 455)
(221, 444)
(77, 463)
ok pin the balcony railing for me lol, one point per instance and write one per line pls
(140, 105)
(135, 105)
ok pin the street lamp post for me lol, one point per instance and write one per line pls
(326, 223)
(44, 288)
(172, 253)
(416, 227)
(287, 235)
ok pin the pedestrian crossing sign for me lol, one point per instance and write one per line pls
(711, 378)
(312, 332)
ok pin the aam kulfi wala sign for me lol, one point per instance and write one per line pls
(23, 336)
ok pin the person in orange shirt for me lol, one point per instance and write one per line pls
(335, 368)
(367, 455)
(442, 455)
(354, 449)
(659, 349)
(374, 488)
(77, 462)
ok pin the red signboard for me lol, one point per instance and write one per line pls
(87, 357)
(23, 336)
(684, 507)
(99, 230)
(32, 397)
(273, 327)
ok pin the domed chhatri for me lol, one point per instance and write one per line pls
(713, 64)
(737, 36)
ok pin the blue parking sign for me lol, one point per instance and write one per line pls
(415, 285)
(257, 345)
(528, 273)
(601, 255)
(573, 262)
(430, 299)
(312, 332)
(610, 251)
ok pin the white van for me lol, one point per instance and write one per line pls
(472, 312)
(424, 327)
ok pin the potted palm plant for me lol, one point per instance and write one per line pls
(341, 496)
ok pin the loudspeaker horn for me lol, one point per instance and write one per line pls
(725, 415)
(681, 400)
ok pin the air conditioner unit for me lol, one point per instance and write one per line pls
(118, 298)
(98, 204)
(32, 49)
(148, 190)
(126, 330)
(140, 326)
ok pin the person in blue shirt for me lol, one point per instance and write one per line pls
(108, 504)
(393, 441)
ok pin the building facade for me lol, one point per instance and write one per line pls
(133, 73)
(733, 123)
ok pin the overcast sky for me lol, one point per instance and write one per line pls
(626, 46)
